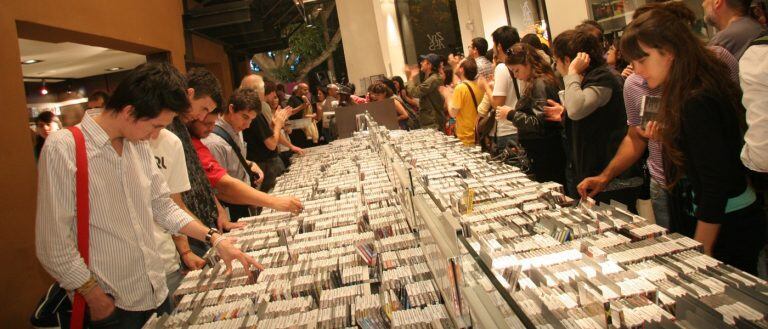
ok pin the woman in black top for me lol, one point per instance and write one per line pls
(596, 120)
(541, 138)
(700, 127)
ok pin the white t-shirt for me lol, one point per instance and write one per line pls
(503, 86)
(169, 158)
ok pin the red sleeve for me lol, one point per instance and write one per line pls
(212, 168)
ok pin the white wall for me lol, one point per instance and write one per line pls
(479, 18)
(372, 43)
(565, 14)
(359, 33)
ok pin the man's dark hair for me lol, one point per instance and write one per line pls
(99, 95)
(481, 45)
(269, 87)
(205, 84)
(470, 69)
(150, 88)
(280, 87)
(572, 42)
(739, 6)
(594, 24)
(244, 99)
(44, 117)
(506, 36)
(535, 42)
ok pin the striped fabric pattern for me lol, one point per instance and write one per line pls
(127, 193)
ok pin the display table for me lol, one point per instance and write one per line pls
(414, 230)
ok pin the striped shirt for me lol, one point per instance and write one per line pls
(127, 194)
(635, 87)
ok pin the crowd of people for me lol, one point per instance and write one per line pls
(168, 158)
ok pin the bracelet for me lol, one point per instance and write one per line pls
(87, 286)
(218, 241)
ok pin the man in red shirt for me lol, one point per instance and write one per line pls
(228, 188)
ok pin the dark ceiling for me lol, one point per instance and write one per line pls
(245, 27)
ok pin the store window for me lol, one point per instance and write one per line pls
(529, 16)
(614, 15)
(428, 26)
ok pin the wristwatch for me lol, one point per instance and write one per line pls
(209, 235)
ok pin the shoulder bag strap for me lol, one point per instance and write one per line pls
(514, 83)
(471, 92)
(225, 135)
(83, 215)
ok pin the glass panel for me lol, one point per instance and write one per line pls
(614, 15)
(527, 17)
(428, 26)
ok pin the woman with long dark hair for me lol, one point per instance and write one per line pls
(400, 91)
(700, 127)
(540, 138)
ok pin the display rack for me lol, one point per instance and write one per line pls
(411, 229)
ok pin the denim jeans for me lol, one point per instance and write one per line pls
(173, 281)
(503, 141)
(660, 203)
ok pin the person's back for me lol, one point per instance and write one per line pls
(467, 96)
(753, 71)
(736, 28)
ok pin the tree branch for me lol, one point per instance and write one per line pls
(302, 73)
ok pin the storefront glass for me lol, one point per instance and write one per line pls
(614, 15)
(528, 16)
(428, 26)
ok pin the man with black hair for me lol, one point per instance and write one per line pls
(45, 125)
(426, 88)
(505, 88)
(203, 93)
(736, 28)
(124, 281)
(97, 100)
(477, 50)
(228, 147)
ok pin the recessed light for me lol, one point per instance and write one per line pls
(31, 61)
(112, 69)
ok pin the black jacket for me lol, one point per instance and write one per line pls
(595, 139)
(528, 116)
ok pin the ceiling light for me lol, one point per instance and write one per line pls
(31, 61)
(113, 69)
(43, 90)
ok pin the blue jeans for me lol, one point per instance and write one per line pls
(503, 141)
(173, 281)
(660, 203)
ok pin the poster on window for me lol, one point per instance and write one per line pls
(429, 26)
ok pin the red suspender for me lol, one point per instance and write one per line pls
(83, 215)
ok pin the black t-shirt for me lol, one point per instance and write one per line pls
(254, 136)
(294, 102)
